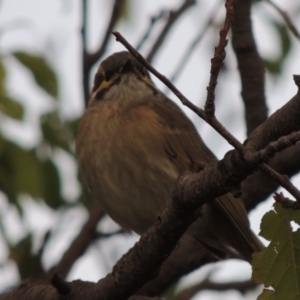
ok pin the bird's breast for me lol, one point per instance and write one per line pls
(120, 156)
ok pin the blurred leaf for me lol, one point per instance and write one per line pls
(21, 171)
(2, 79)
(11, 107)
(278, 266)
(8, 106)
(28, 263)
(56, 132)
(285, 40)
(274, 66)
(126, 11)
(42, 72)
(7, 185)
(73, 126)
(51, 182)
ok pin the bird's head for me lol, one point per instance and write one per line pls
(121, 76)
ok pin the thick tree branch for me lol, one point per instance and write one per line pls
(285, 162)
(142, 262)
(188, 256)
(250, 66)
(273, 147)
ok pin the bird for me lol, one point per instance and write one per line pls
(132, 144)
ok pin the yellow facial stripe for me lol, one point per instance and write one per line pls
(102, 88)
(147, 80)
(105, 85)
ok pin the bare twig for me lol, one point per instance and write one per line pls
(285, 162)
(83, 240)
(86, 71)
(194, 44)
(173, 17)
(211, 121)
(94, 57)
(162, 78)
(217, 60)
(277, 146)
(187, 257)
(84, 25)
(283, 181)
(286, 18)
(286, 202)
(89, 59)
(146, 35)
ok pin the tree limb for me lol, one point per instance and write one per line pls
(251, 66)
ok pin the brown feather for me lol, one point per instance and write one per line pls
(132, 144)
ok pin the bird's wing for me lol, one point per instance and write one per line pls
(186, 150)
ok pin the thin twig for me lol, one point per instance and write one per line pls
(173, 17)
(286, 18)
(282, 179)
(194, 44)
(94, 57)
(217, 60)
(81, 242)
(211, 121)
(285, 201)
(153, 21)
(85, 79)
(274, 147)
(162, 78)
(89, 59)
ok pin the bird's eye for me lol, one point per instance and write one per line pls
(108, 76)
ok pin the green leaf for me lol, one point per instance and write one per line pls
(11, 107)
(278, 266)
(56, 132)
(29, 264)
(51, 185)
(285, 40)
(2, 79)
(274, 66)
(42, 72)
(22, 172)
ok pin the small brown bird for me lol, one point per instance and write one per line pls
(132, 144)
